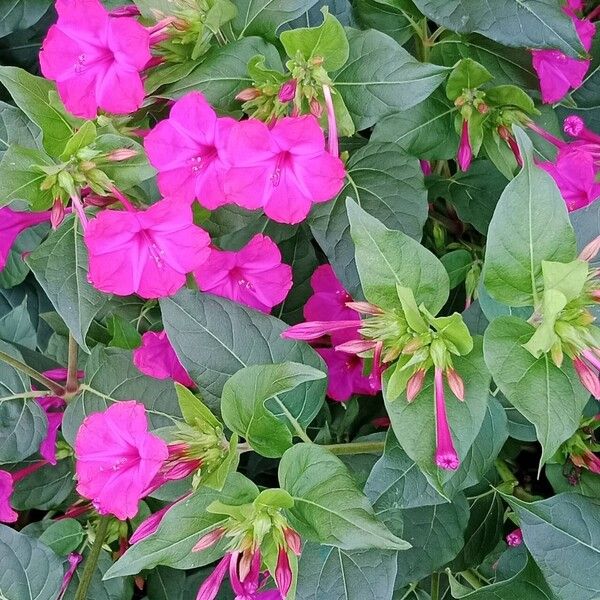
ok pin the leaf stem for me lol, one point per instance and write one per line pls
(72, 384)
(471, 577)
(355, 448)
(411, 589)
(92, 559)
(36, 375)
(297, 427)
(435, 586)
(24, 395)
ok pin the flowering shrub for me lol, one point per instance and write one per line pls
(298, 300)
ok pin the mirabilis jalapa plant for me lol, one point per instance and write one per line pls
(299, 301)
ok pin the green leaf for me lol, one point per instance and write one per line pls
(84, 136)
(21, 14)
(510, 96)
(381, 77)
(539, 24)
(327, 41)
(498, 151)
(457, 263)
(243, 404)
(507, 65)
(264, 17)
(46, 489)
(31, 95)
(63, 536)
(23, 423)
(16, 129)
(20, 180)
(16, 327)
(588, 484)
(563, 535)
(425, 131)
(414, 422)
(60, 265)
(164, 583)
(123, 333)
(544, 336)
(527, 583)
(29, 570)
(214, 338)
(336, 574)
(387, 258)
(224, 73)
(466, 75)
(16, 270)
(327, 505)
(551, 398)
(385, 183)
(530, 225)
(388, 16)
(112, 375)
(193, 409)
(566, 278)
(181, 528)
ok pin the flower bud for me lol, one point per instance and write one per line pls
(483, 108)
(283, 573)
(57, 214)
(293, 540)
(415, 384)
(456, 383)
(412, 346)
(591, 250)
(464, 155)
(208, 540)
(515, 538)
(121, 154)
(66, 182)
(316, 109)
(287, 91)
(248, 94)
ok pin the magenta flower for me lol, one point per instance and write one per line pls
(253, 276)
(515, 538)
(287, 91)
(284, 169)
(74, 559)
(156, 358)
(445, 454)
(345, 375)
(95, 59)
(328, 303)
(464, 155)
(149, 525)
(187, 149)
(146, 252)
(587, 366)
(7, 514)
(117, 459)
(575, 175)
(13, 223)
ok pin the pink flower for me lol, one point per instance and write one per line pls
(95, 59)
(284, 169)
(13, 223)
(74, 559)
(328, 303)
(465, 153)
(445, 454)
(515, 538)
(7, 514)
(117, 459)
(146, 252)
(156, 358)
(287, 91)
(345, 375)
(253, 276)
(283, 572)
(186, 150)
(149, 525)
(575, 175)
(425, 167)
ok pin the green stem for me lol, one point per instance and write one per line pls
(92, 560)
(470, 577)
(411, 589)
(355, 448)
(37, 376)
(24, 395)
(435, 586)
(505, 473)
(72, 384)
(297, 427)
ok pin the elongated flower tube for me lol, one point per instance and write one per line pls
(588, 377)
(464, 155)
(445, 454)
(331, 122)
(74, 559)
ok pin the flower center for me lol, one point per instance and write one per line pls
(280, 164)
(206, 155)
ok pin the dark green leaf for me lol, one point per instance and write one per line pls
(124, 334)
(457, 263)
(45, 489)
(164, 583)
(63, 536)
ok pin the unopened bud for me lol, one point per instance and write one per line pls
(556, 353)
(315, 108)
(591, 250)
(57, 214)
(483, 108)
(515, 538)
(121, 154)
(460, 101)
(293, 540)
(287, 91)
(99, 201)
(48, 182)
(100, 178)
(318, 61)
(456, 383)
(248, 94)
(412, 346)
(415, 384)
(208, 540)
(66, 182)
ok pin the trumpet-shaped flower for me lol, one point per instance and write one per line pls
(7, 514)
(146, 252)
(283, 169)
(117, 458)
(156, 358)
(254, 275)
(95, 59)
(187, 149)
(445, 454)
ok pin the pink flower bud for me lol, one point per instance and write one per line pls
(208, 540)
(210, 587)
(293, 540)
(74, 559)
(313, 330)
(415, 384)
(287, 91)
(57, 214)
(356, 346)
(588, 378)
(515, 538)
(465, 153)
(248, 94)
(456, 383)
(483, 108)
(121, 154)
(592, 462)
(316, 109)
(591, 250)
(425, 167)
(445, 454)
(283, 573)
(130, 10)
(365, 308)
